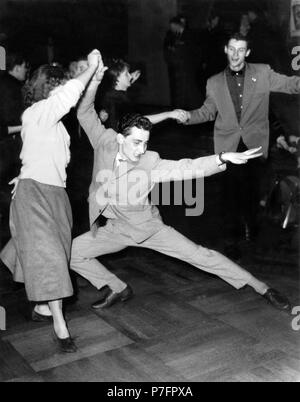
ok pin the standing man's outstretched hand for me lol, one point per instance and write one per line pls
(179, 115)
(238, 158)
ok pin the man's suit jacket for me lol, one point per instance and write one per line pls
(11, 105)
(253, 127)
(121, 193)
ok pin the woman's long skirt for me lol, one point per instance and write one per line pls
(40, 224)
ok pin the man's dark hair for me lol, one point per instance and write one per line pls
(239, 36)
(14, 59)
(115, 68)
(131, 120)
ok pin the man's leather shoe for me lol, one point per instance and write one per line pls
(278, 300)
(113, 298)
(103, 293)
(36, 317)
(66, 345)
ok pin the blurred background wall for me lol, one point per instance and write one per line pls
(133, 29)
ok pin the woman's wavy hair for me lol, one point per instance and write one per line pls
(43, 81)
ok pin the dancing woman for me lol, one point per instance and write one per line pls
(41, 217)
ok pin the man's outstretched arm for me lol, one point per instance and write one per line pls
(86, 113)
(176, 114)
(205, 113)
(187, 169)
(283, 83)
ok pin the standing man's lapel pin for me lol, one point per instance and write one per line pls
(253, 79)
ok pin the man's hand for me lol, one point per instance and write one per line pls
(135, 76)
(94, 58)
(182, 116)
(100, 72)
(282, 143)
(293, 139)
(239, 158)
(95, 68)
(178, 114)
(98, 76)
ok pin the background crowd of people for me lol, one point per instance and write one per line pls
(191, 57)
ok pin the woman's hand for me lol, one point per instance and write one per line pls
(99, 74)
(182, 116)
(14, 182)
(179, 115)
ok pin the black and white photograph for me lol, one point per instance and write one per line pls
(149, 194)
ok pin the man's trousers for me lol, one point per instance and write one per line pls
(167, 241)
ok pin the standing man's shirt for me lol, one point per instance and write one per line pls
(235, 82)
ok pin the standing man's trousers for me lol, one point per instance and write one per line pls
(167, 241)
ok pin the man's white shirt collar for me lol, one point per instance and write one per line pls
(119, 159)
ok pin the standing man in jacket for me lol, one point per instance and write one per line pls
(238, 100)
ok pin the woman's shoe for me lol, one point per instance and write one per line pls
(66, 345)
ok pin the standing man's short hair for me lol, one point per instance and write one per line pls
(238, 36)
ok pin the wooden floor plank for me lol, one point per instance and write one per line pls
(12, 364)
(126, 364)
(94, 335)
(181, 325)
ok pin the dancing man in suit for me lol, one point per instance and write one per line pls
(238, 100)
(124, 174)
